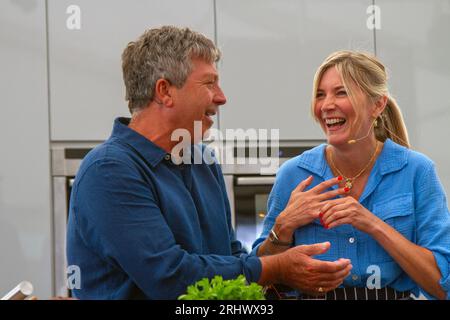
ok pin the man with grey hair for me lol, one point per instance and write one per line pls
(143, 227)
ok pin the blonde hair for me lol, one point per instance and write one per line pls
(368, 73)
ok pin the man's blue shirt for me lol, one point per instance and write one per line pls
(403, 190)
(142, 227)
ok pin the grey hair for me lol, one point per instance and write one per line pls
(162, 53)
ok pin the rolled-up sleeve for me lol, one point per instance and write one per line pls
(433, 221)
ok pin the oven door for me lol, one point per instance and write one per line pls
(250, 206)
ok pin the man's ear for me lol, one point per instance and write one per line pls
(162, 94)
(380, 104)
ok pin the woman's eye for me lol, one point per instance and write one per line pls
(319, 95)
(342, 93)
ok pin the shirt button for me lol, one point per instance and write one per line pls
(354, 277)
(167, 157)
(351, 240)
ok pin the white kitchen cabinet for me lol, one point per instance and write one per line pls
(271, 50)
(414, 44)
(86, 87)
(25, 213)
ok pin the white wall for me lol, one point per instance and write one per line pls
(413, 42)
(25, 214)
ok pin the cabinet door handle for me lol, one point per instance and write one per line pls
(246, 181)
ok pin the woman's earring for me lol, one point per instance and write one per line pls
(375, 123)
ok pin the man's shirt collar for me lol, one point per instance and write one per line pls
(146, 148)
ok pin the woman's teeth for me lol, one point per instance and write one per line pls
(334, 121)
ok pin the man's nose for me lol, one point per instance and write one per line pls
(219, 97)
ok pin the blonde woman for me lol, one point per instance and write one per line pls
(379, 203)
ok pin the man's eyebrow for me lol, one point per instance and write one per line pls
(209, 76)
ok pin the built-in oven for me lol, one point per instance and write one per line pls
(248, 186)
(251, 193)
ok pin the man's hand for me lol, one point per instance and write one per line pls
(296, 268)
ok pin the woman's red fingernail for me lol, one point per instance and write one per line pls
(327, 226)
(346, 189)
(339, 178)
(321, 215)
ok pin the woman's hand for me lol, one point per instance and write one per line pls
(347, 210)
(304, 207)
(418, 262)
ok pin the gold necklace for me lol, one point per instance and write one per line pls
(349, 181)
